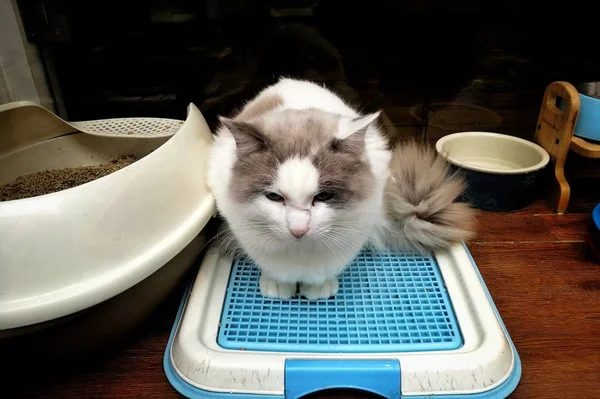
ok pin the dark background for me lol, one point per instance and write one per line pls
(434, 67)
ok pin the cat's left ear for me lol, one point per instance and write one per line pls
(248, 138)
(353, 139)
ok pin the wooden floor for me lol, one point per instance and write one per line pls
(536, 266)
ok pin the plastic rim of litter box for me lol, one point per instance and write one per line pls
(486, 365)
(31, 123)
(130, 127)
(117, 127)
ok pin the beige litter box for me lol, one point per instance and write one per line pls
(81, 266)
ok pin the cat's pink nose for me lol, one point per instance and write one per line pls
(298, 232)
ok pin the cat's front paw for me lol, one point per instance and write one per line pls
(271, 288)
(320, 291)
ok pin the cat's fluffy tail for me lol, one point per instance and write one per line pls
(420, 201)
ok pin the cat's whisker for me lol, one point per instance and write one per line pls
(259, 240)
(339, 242)
(331, 246)
(218, 235)
(350, 233)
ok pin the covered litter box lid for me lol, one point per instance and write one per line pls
(66, 251)
(23, 123)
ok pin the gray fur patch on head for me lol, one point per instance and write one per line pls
(343, 170)
(248, 138)
(265, 142)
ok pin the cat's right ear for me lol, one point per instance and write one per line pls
(248, 138)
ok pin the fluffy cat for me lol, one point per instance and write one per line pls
(304, 182)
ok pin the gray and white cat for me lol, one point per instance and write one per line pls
(304, 182)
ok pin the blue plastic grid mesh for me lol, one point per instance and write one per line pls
(387, 302)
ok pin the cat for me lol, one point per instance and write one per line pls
(304, 182)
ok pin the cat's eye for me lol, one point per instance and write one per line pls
(274, 197)
(323, 196)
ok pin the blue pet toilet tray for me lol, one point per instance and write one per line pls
(401, 326)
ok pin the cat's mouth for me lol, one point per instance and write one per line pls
(290, 237)
(298, 234)
(294, 238)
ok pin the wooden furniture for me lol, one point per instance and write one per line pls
(555, 127)
(534, 263)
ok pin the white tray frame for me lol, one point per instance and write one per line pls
(484, 362)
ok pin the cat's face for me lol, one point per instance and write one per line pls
(300, 175)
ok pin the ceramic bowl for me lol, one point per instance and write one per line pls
(501, 170)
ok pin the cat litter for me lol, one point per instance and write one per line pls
(54, 180)
(401, 326)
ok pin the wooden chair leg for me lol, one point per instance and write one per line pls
(556, 123)
(561, 192)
